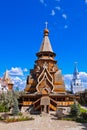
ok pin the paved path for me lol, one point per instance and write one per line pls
(45, 122)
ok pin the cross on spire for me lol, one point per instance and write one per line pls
(46, 23)
(76, 63)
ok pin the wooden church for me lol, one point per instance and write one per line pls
(45, 89)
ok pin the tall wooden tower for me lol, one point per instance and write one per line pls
(45, 88)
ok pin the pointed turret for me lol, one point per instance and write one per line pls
(76, 73)
(6, 81)
(46, 51)
(6, 77)
(76, 83)
(46, 45)
(76, 68)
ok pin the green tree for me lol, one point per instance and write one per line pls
(75, 110)
(15, 107)
(9, 100)
(3, 102)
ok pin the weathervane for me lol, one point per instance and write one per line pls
(46, 23)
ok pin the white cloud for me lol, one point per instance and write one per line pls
(82, 75)
(58, 8)
(64, 16)
(18, 77)
(17, 71)
(86, 1)
(42, 1)
(18, 82)
(25, 70)
(68, 76)
(67, 80)
(85, 85)
(52, 12)
(66, 26)
(67, 87)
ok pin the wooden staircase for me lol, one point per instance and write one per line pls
(53, 104)
(52, 107)
(37, 107)
(36, 104)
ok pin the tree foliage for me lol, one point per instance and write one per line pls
(3, 109)
(75, 110)
(9, 100)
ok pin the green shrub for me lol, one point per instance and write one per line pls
(67, 119)
(81, 120)
(3, 108)
(75, 110)
(83, 116)
(22, 118)
(20, 114)
(10, 100)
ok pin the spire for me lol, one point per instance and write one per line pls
(6, 75)
(46, 45)
(76, 68)
(76, 73)
(76, 83)
(6, 78)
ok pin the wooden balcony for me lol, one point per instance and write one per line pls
(25, 103)
(65, 103)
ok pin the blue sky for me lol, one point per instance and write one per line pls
(21, 33)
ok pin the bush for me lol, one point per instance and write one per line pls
(3, 108)
(20, 114)
(22, 118)
(81, 120)
(67, 119)
(9, 100)
(75, 110)
(84, 116)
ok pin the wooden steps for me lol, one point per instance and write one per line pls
(37, 107)
(53, 104)
(52, 107)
